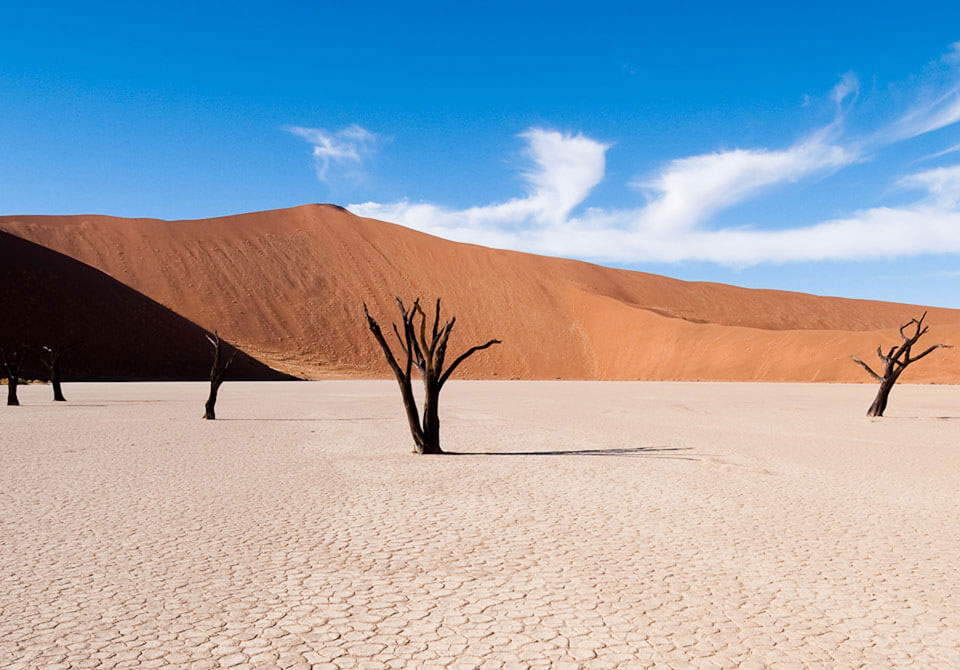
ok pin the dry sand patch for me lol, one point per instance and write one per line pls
(590, 524)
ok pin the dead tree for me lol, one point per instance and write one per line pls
(895, 361)
(12, 368)
(427, 350)
(217, 372)
(50, 358)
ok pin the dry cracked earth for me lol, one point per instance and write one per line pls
(580, 525)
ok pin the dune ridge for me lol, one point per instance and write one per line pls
(286, 286)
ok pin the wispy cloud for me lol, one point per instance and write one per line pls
(847, 87)
(346, 148)
(939, 154)
(690, 190)
(930, 115)
(685, 195)
(942, 185)
(938, 101)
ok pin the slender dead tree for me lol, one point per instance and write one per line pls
(50, 358)
(217, 372)
(895, 361)
(12, 367)
(427, 350)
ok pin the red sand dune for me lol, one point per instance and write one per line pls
(287, 285)
(49, 299)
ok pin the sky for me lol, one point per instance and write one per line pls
(813, 149)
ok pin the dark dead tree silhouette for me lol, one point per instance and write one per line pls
(12, 368)
(427, 350)
(50, 357)
(217, 372)
(895, 361)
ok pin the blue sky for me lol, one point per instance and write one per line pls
(799, 149)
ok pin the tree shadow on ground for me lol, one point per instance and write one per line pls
(914, 418)
(625, 452)
(309, 420)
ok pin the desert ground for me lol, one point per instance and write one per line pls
(579, 524)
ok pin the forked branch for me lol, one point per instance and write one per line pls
(464, 356)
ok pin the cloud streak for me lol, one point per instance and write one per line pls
(690, 190)
(346, 148)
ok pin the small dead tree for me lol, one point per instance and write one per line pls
(12, 368)
(895, 361)
(427, 350)
(217, 372)
(50, 358)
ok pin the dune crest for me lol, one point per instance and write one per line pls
(286, 286)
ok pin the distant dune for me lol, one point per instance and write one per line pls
(53, 300)
(287, 285)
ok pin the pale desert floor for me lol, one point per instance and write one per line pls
(593, 525)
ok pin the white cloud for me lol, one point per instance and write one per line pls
(686, 193)
(941, 184)
(344, 148)
(690, 190)
(847, 87)
(564, 170)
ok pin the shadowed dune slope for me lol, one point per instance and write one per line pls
(287, 285)
(51, 299)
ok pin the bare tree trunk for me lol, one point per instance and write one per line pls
(217, 373)
(12, 367)
(55, 382)
(431, 417)
(410, 407)
(209, 407)
(880, 402)
(50, 357)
